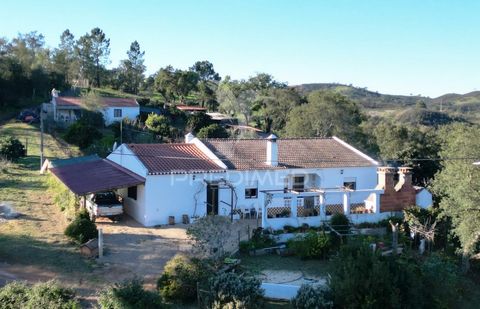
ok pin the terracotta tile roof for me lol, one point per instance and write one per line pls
(94, 176)
(292, 153)
(174, 158)
(105, 101)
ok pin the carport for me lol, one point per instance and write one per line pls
(92, 176)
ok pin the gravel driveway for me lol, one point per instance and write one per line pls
(133, 250)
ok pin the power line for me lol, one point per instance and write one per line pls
(256, 160)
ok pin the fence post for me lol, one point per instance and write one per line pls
(100, 243)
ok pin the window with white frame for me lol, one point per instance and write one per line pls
(298, 183)
(350, 183)
(117, 112)
(251, 190)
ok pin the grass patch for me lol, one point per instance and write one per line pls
(36, 238)
(27, 250)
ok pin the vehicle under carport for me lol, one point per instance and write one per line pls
(93, 176)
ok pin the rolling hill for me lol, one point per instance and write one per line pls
(465, 106)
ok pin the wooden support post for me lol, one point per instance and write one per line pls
(100, 243)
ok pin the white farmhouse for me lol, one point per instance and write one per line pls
(285, 181)
(69, 109)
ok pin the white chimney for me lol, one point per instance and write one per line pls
(189, 138)
(272, 150)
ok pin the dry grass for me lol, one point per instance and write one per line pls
(33, 247)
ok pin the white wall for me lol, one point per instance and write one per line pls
(366, 178)
(424, 199)
(134, 208)
(176, 195)
(127, 112)
(125, 157)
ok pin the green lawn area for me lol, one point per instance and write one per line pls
(36, 238)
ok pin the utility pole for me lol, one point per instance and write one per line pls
(41, 137)
(121, 131)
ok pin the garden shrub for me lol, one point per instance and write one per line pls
(11, 148)
(441, 280)
(261, 239)
(230, 290)
(363, 278)
(81, 229)
(41, 295)
(312, 297)
(359, 278)
(129, 294)
(245, 246)
(180, 277)
(340, 222)
(211, 235)
(81, 134)
(313, 245)
(14, 295)
(212, 131)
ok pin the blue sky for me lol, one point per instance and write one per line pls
(427, 47)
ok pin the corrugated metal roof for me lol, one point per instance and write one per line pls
(63, 162)
(244, 154)
(177, 158)
(93, 176)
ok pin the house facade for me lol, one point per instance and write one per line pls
(283, 181)
(69, 109)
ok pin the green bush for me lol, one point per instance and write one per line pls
(313, 245)
(159, 124)
(245, 246)
(261, 239)
(441, 280)
(81, 229)
(180, 277)
(93, 119)
(230, 290)
(339, 222)
(41, 295)
(362, 278)
(82, 134)
(11, 148)
(129, 295)
(312, 297)
(212, 131)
